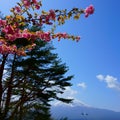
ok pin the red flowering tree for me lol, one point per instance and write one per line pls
(16, 38)
(12, 26)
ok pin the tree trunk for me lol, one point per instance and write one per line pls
(9, 91)
(1, 87)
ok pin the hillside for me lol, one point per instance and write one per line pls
(82, 112)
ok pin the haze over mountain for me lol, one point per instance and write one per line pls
(80, 111)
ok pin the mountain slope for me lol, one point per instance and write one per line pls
(83, 112)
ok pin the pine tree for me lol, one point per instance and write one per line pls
(40, 77)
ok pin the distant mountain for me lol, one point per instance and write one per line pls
(82, 112)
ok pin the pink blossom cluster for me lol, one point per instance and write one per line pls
(2, 23)
(48, 17)
(13, 34)
(6, 49)
(17, 9)
(28, 3)
(45, 36)
(11, 31)
(89, 10)
(65, 36)
(60, 36)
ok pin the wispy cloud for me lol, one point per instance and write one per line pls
(112, 82)
(68, 93)
(82, 85)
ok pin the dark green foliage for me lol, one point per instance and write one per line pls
(42, 75)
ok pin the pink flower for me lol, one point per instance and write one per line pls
(10, 37)
(45, 36)
(89, 10)
(8, 29)
(26, 3)
(34, 1)
(37, 7)
(17, 9)
(2, 22)
(52, 14)
(26, 35)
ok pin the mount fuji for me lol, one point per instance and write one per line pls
(80, 111)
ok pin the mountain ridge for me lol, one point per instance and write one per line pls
(82, 112)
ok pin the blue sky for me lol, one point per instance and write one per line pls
(95, 60)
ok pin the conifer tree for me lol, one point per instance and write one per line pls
(40, 77)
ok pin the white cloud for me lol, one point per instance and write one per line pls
(112, 82)
(68, 93)
(82, 85)
(100, 77)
